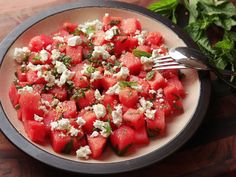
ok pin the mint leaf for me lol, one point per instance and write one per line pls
(150, 75)
(123, 84)
(140, 53)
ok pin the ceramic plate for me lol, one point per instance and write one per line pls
(179, 129)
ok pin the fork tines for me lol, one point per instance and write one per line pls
(166, 62)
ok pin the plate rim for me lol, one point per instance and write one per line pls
(115, 167)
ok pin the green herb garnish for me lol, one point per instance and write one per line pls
(150, 75)
(140, 53)
(37, 57)
(66, 60)
(210, 25)
(123, 84)
(109, 108)
(79, 93)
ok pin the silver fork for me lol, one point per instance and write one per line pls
(184, 57)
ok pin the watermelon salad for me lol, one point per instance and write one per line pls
(88, 86)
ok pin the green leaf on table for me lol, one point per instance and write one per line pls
(191, 5)
(225, 45)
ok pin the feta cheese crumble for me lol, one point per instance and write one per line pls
(98, 95)
(99, 110)
(109, 34)
(94, 134)
(66, 75)
(59, 39)
(74, 41)
(95, 75)
(43, 55)
(80, 121)
(140, 36)
(55, 54)
(25, 88)
(73, 131)
(123, 73)
(150, 114)
(83, 152)
(145, 104)
(100, 51)
(21, 53)
(38, 118)
(114, 89)
(62, 124)
(60, 67)
(103, 126)
(117, 115)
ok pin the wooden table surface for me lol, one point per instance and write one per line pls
(210, 152)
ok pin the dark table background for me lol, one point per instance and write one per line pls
(211, 152)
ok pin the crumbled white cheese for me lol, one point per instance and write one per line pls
(58, 38)
(55, 54)
(146, 60)
(94, 134)
(75, 40)
(66, 75)
(43, 55)
(47, 75)
(63, 124)
(99, 110)
(33, 67)
(137, 87)
(38, 118)
(98, 95)
(54, 102)
(21, 53)
(83, 152)
(123, 73)
(103, 126)
(90, 27)
(117, 115)
(161, 100)
(54, 125)
(49, 47)
(73, 131)
(60, 67)
(80, 121)
(88, 108)
(140, 37)
(150, 114)
(100, 51)
(159, 93)
(109, 34)
(145, 104)
(114, 89)
(86, 71)
(25, 88)
(95, 75)
(152, 91)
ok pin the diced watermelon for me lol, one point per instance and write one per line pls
(61, 143)
(141, 136)
(110, 100)
(154, 38)
(35, 130)
(33, 78)
(171, 92)
(134, 118)
(165, 106)
(179, 86)
(97, 145)
(124, 43)
(122, 139)
(133, 63)
(13, 94)
(157, 81)
(90, 118)
(29, 104)
(70, 27)
(157, 125)
(87, 100)
(37, 43)
(130, 26)
(49, 117)
(108, 82)
(76, 54)
(21, 74)
(59, 92)
(128, 97)
(99, 38)
(109, 21)
(69, 109)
